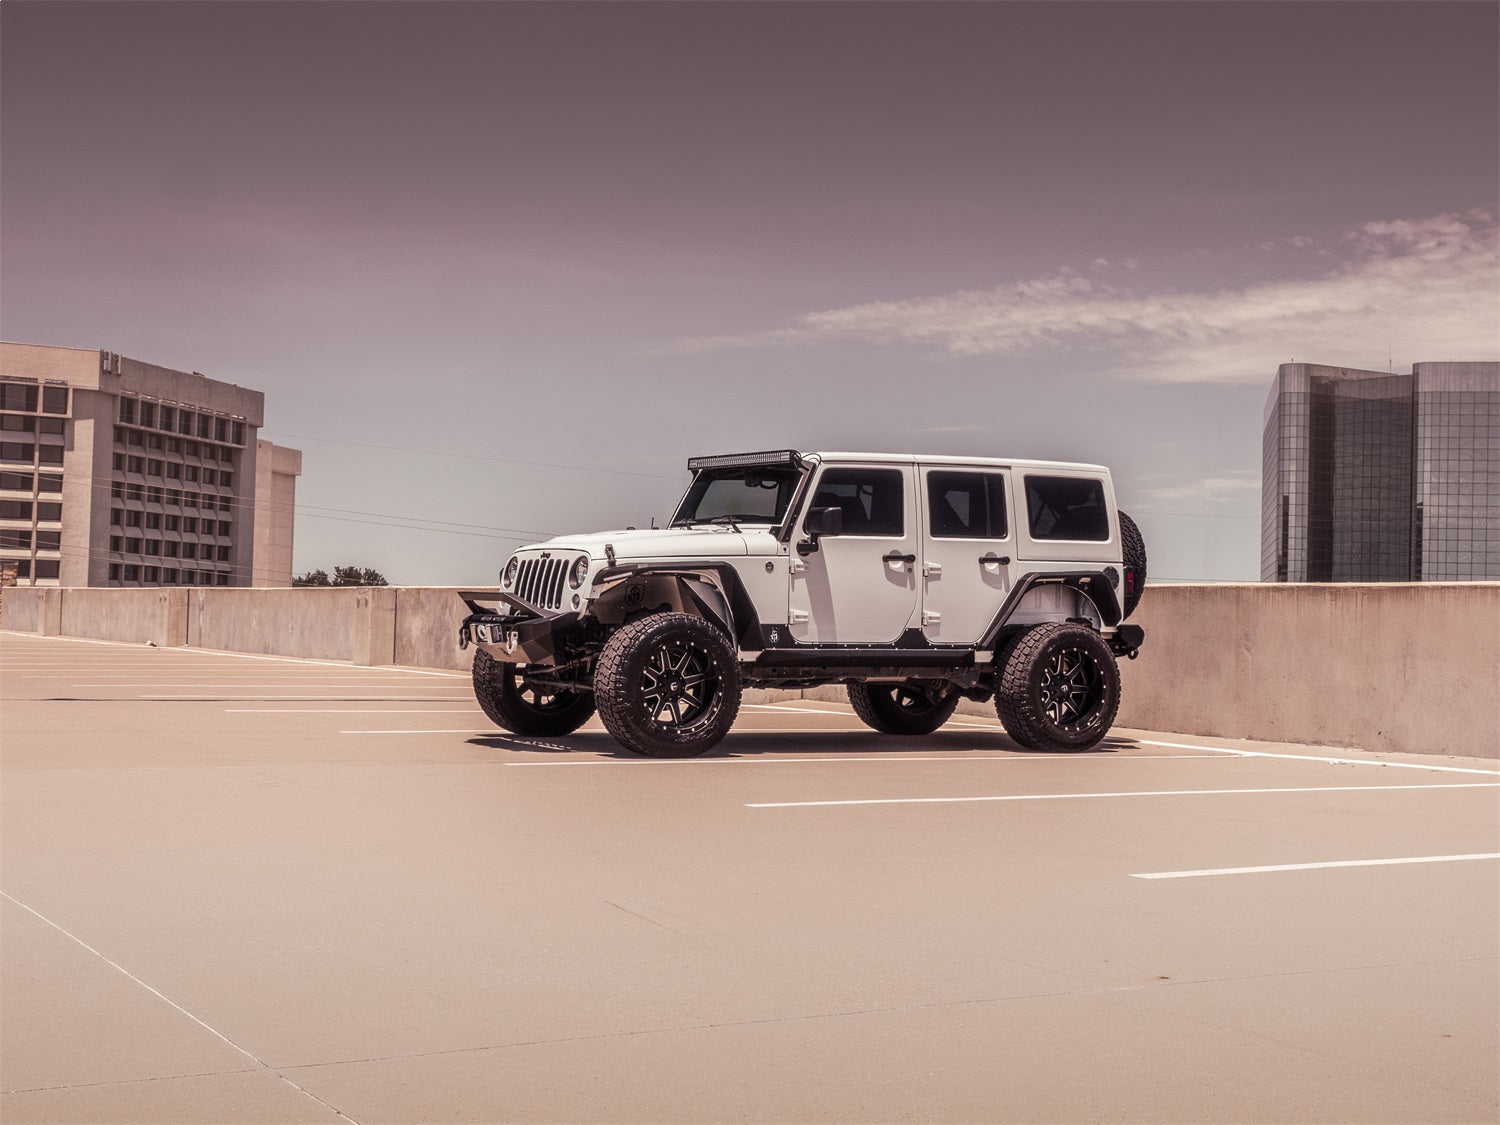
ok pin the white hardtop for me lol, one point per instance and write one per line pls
(949, 459)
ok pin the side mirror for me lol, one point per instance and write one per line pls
(820, 522)
(824, 521)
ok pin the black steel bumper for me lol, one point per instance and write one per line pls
(514, 633)
(1127, 641)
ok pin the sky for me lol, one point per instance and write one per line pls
(501, 268)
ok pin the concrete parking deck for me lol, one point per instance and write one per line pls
(245, 888)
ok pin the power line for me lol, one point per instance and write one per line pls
(478, 457)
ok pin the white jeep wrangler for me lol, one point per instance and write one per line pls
(916, 581)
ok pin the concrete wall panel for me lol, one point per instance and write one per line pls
(302, 621)
(427, 621)
(1398, 667)
(138, 616)
(21, 609)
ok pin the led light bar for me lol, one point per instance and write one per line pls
(789, 458)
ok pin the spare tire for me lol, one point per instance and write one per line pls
(1134, 549)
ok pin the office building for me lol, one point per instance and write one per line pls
(115, 472)
(1373, 476)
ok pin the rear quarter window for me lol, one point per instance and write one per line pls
(1069, 508)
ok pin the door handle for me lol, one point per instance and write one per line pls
(1003, 560)
(897, 556)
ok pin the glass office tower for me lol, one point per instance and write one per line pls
(1369, 476)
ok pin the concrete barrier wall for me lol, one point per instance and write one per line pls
(308, 622)
(157, 616)
(427, 621)
(1402, 667)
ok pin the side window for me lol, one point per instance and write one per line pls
(966, 505)
(1066, 508)
(869, 498)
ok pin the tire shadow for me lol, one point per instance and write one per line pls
(771, 743)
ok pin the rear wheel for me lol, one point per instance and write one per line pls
(524, 708)
(902, 708)
(1059, 687)
(668, 685)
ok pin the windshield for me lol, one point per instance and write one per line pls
(758, 495)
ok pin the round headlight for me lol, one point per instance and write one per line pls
(510, 571)
(579, 572)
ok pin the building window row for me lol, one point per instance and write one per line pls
(30, 482)
(155, 521)
(31, 453)
(21, 539)
(167, 576)
(30, 424)
(140, 439)
(120, 490)
(26, 397)
(34, 568)
(23, 510)
(170, 470)
(179, 420)
(168, 548)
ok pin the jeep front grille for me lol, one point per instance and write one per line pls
(539, 582)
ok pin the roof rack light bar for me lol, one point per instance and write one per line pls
(769, 457)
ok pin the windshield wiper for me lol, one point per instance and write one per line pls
(722, 521)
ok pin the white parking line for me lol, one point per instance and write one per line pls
(488, 730)
(347, 711)
(325, 697)
(1147, 793)
(1316, 758)
(1314, 866)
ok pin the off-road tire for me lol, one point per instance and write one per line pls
(668, 685)
(1059, 687)
(502, 693)
(900, 708)
(1134, 549)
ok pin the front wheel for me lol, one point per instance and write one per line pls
(1059, 687)
(902, 708)
(668, 685)
(511, 702)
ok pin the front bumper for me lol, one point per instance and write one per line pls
(516, 634)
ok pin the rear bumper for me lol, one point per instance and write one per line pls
(1127, 641)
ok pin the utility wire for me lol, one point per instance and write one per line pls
(477, 457)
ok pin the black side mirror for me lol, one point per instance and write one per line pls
(820, 522)
(824, 521)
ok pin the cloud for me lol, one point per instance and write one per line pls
(1424, 288)
(1232, 487)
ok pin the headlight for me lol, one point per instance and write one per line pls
(510, 571)
(579, 572)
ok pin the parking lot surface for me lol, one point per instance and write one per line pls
(239, 888)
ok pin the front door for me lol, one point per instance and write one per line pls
(969, 557)
(860, 586)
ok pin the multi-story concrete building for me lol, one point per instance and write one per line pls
(115, 472)
(1369, 476)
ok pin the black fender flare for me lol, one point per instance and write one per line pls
(744, 627)
(1092, 584)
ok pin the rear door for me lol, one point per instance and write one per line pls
(969, 550)
(858, 587)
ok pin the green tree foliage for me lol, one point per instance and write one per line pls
(342, 576)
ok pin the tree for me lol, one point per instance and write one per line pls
(342, 576)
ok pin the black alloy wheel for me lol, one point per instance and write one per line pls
(668, 685)
(1059, 687)
(916, 708)
(521, 707)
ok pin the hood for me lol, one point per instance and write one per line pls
(666, 542)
